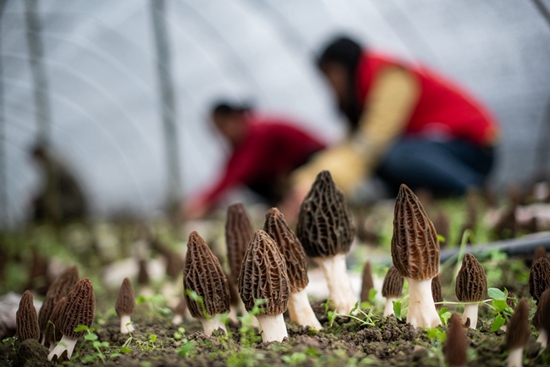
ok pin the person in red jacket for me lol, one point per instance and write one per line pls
(407, 124)
(266, 149)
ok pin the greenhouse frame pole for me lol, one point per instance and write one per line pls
(3, 167)
(167, 102)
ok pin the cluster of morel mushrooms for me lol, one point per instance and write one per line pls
(269, 267)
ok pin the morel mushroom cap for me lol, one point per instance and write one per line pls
(414, 245)
(26, 319)
(125, 302)
(325, 226)
(436, 290)
(471, 281)
(541, 320)
(263, 276)
(539, 278)
(143, 275)
(393, 283)
(456, 345)
(518, 332)
(59, 288)
(203, 274)
(540, 251)
(79, 309)
(290, 247)
(238, 234)
(53, 332)
(367, 283)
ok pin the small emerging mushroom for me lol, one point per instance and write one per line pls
(264, 278)
(143, 275)
(53, 333)
(125, 305)
(471, 286)
(367, 284)
(392, 289)
(203, 275)
(539, 278)
(326, 232)
(456, 343)
(541, 320)
(540, 251)
(441, 224)
(180, 311)
(26, 319)
(79, 310)
(518, 334)
(415, 254)
(436, 291)
(296, 266)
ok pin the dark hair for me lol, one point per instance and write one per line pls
(229, 108)
(346, 52)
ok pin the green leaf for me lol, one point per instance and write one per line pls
(444, 315)
(372, 294)
(115, 355)
(499, 321)
(500, 305)
(354, 308)
(105, 344)
(186, 349)
(496, 294)
(90, 337)
(125, 350)
(440, 238)
(152, 338)
(397, 309)
(88, 358)
(80, 328)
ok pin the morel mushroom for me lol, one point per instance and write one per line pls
(436, 291)
(391, 289)
(125, 305)
(264, 278)
(326, 231)
(59, 288)
(518, 334)
(296, 266)
(26, 319)
(539, 278)
(203, 275)
(79, 310)
(180, 311)
(367, 284)
(456, 344)
(53, 333)
(415, 254)
(540, 251)
(471, 286)
(541, 320)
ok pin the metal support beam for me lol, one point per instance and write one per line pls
(4, 220)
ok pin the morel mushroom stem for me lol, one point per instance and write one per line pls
(388, 310)
(66, 343)
(338, 283)
(212, 324)
(543, 338)
(470, 312)
(422, 311)
(126, 325)
(300, 310)
(273, 327)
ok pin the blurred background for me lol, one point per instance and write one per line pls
(121, 90)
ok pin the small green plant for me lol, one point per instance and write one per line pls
(91, 337)
(179, 334)
(295, 359)
(187, 348)
(444, 315)
(397, 310)
(500, 307)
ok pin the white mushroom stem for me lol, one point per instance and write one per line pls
(233, 314)
(470, 312)
(388, 310)
(301, 312)
(177, 319)
(339, 288)
(422, 311)
(211, 324)
(65, 344)
(515, 358)
(543, 338)
(126, 325)
(273, 327)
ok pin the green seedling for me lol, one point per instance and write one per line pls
(91, 337)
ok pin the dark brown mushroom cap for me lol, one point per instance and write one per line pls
(541, 319)
(540, 251)
(203, 274)
(441, 224)
(518, 332)
(367, 284)
(471, 281)
(539, 277)
(393, 283)
(263, 276)
(436, 290)
(53, 330)
(414, 245)
(26, 319)
(290, 247)
(143, 275)
(174, 264)
(59, 288)
(238, 234)
(325, 226)
(80, 308)
(126, 301)
(456, 343)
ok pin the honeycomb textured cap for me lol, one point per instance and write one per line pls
(393, 283)
(203, 275)
(539, 278)
(367, 284)
(125, 302)
(263, 276)
(325, 227)
(58, 289)
(541, 320)
(456, 345)
(80, 308)
(436, 290)
(238, 234)
(53, 333)
(290, 247)
(414, 245)
(26, 319)
(518, 332)
(471, 281)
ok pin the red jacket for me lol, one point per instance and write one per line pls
(442, 106)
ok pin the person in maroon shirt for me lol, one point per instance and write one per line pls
(265, 151)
